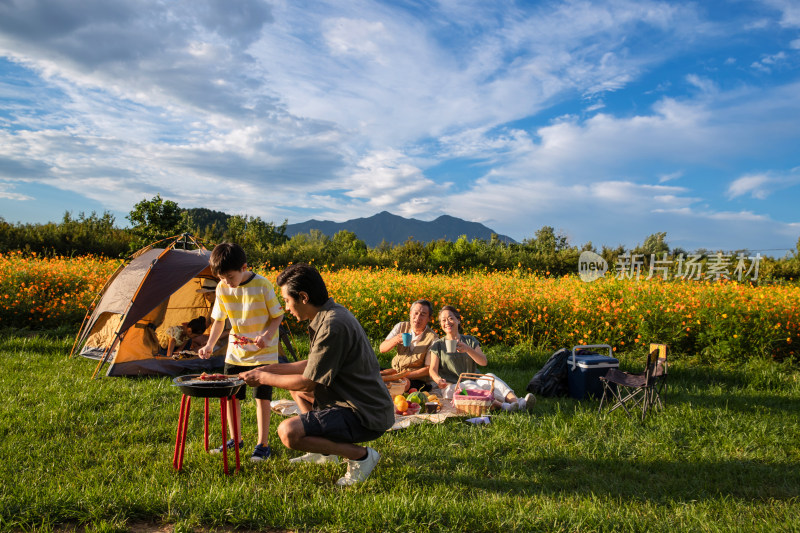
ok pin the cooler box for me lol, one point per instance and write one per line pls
(584, 371)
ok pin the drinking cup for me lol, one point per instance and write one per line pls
(406, 339)
(450, 345)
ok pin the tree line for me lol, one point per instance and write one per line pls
(548, 252)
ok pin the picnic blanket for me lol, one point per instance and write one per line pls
(289, 408)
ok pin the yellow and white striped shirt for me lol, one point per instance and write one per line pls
(248, 307)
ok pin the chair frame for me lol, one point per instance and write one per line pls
(286, 338)
(644, 390)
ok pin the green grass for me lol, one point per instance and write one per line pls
(723, 456)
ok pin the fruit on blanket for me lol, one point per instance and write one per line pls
(415, 397)
(430, 397)
(411, 409)
(400, 403)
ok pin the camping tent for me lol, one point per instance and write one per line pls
(157, 289)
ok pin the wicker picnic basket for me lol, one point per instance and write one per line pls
(475, 402)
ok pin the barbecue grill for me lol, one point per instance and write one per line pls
(225, 389)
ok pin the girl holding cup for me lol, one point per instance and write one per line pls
(456, 354)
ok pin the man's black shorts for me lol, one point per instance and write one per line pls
(338, 424)
(262, 392)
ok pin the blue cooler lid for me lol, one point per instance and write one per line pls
(592, 361)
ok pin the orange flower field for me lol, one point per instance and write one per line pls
(715, 320)
(40, 292)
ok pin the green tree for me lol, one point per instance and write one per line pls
(93, 234)
(347, 248)
(411, 255)
(256, 236)
(653, 244)
(612, 254)
(155, 219)
(547, 242)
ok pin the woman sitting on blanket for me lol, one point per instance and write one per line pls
(447, 366)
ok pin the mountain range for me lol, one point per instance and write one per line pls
(395, 229)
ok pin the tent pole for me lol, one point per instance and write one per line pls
(78, 336)
(105, 357)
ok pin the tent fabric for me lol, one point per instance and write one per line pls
(155, 290)
(105, 328)
(172, 270)
(117, 296)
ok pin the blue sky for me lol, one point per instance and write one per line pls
(608, 121)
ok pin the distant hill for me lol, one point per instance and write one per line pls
(202, 217)
(396, 230)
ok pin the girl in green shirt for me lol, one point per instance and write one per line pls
(465, 356)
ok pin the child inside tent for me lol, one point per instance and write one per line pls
(189, 336)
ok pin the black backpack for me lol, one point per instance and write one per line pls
(551, 380)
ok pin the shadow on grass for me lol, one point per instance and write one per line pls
(738, 402)
(630, 478)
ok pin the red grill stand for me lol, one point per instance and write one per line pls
(183, 422)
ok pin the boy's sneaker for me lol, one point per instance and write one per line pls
(230, 445)
(530, 401)
(261, 453)
(317, 458)
(358, 471)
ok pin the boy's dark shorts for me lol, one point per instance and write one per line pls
(338, 424)
(262, 392)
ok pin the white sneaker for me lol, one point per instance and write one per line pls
(530, 401)
(358, 471)
(317, 458)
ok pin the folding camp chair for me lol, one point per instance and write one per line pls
(643, 390)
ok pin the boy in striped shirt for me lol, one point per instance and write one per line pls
(249, 302)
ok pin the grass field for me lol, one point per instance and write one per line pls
(723, 456)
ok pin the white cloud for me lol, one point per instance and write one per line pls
(663, 178)
(753, 185)
(790, 12)
(357, 37)
(762, 185)
(768, 62)
(6, 192)
(387, 180)
(704, 84)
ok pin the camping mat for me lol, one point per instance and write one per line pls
(289, 408)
